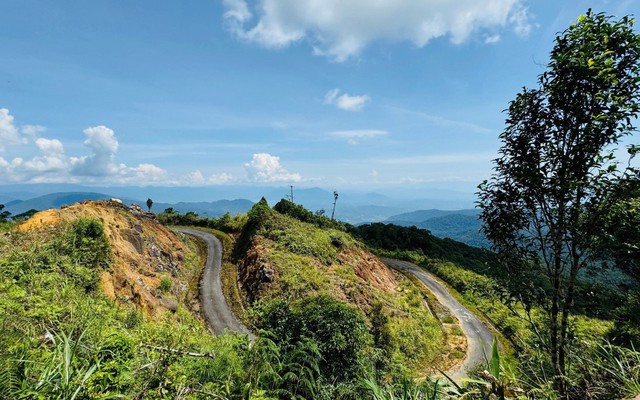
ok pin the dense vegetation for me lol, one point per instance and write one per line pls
(62, 339)
(557, 173)
(606, 314)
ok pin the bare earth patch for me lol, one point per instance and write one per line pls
(144, 252)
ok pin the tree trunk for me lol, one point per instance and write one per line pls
(556, 343)
(553, 330)
(566, 311)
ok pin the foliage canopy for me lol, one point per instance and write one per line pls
(557, 171)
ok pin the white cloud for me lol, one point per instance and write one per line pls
(345, 101)
(491, 39)
(143, 173)
(197, 178)
(32, 131)
(520, 19)
(342, 29)
(50, 166)
(50, 146)
(8, 132)
(266, 168)
(103, 143)
(54, 165)
(356, 136)
(52, 160)
(218, 179)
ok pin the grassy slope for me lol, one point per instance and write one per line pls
(476, 275)
(47, 289)
(49, 299)
(309, 261)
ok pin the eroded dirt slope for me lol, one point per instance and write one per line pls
(144, 252)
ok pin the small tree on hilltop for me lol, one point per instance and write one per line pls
(557, 173)
(149, 204)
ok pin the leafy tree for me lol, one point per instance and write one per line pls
(25, 215)
(3, 214)
(149, 204)
(557, 172)
(300, 213)
(620, 234)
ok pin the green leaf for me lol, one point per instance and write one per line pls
(494, 363)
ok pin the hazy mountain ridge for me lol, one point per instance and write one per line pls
(353, 206)
(57, 200)
(461, 225)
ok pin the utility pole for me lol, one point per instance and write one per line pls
(291, 186)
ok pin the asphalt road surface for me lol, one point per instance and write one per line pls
(476, 332)
(219, 316)
(213, 304)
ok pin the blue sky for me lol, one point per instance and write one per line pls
(359, 94)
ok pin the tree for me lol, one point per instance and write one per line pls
(557, 173)
(4, 215)
(25, 215)
(149, 204)
(620, 234)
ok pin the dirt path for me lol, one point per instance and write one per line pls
(476, 332)
(214, 306)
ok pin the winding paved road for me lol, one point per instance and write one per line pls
(219, 316)
(214, 306)
(477, 333)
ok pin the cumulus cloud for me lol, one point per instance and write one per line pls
(356, 136)
(198, 178)
(342, 29)
(32, 131)
(266, 168)
(52, 164)
(52, 160)
(104, 145)
(9, 134)
(345, 101)
(143, 173)
(50, 146)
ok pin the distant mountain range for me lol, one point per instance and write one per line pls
(354, 207)
(53, 200)
(461, 225)
(57, 200)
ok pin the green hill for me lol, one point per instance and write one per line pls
(83, 313)
(287, 256)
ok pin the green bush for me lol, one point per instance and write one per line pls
(300, 213)
(338, 330)
(165, 284)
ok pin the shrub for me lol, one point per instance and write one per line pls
(339, 331)
(165, 284)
